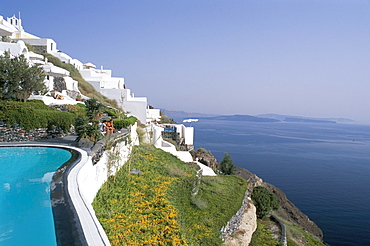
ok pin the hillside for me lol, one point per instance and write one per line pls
(157, 206)
(294, 219)
(291, 118)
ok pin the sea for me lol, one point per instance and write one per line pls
(323, 168)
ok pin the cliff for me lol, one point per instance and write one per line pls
(288, 210)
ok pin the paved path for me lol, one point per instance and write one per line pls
(207, 171)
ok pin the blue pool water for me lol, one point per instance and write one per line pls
(25, 210)
(323, 168)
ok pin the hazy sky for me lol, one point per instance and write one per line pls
(297, 57)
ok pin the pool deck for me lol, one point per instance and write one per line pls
(69, 140)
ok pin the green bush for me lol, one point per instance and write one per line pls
(118, 124)
(115, 113)
(77, 109)
(264, 200)
(34, 114)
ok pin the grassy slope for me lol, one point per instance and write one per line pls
(295, 236)
(262, 236)
(157, 208)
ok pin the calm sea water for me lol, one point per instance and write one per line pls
(324, 169)
(25, 210)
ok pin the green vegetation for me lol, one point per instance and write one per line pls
(166, 120)
(297, 236)
(87, 125)
(157, 207)
(94, 109)
(17, 79)
(262, 236)
(203, 216)
(34, 114)
(118, 114)
(264, 201)
(120, 118)
(118, 124)
(227, 166)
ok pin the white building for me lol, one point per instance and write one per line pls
(6, 29)
(41, 44)
(185, 133)
(136, 106)
(153, 115)
(67, 59)
(101, 79)
(114, 88)
(15, 49)
(13, 29)
(19, 32)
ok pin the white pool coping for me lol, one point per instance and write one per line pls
(93, 231)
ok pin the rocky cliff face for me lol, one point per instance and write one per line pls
(205, 157)
(288, 210)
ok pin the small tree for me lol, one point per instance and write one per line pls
(86, 129)
(264, 201)
(227, 166)
(17, 79)
(94, 109)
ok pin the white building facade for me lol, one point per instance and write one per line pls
(101, 79)
(114, 88)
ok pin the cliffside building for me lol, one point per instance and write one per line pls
(101, 79)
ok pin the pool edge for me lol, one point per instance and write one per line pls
(75, 222)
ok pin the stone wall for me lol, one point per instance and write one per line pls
(15, 133)
(244, 233)
(235, 222)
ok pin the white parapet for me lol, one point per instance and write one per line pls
(84, 182)
(92, 177)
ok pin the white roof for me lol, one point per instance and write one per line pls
(6, 29)
(89, 64)
(190, 120)
(54, 70)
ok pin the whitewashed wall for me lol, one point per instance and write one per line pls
(92, 177)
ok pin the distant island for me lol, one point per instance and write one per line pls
(181, 115)
(238, 117)
(290, 118)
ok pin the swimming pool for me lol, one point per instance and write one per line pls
(26, 216)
